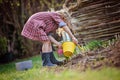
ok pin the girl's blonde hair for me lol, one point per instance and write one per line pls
(65, 15)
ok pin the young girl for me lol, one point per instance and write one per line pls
(39, 27)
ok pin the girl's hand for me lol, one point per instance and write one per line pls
(59, 45)
(75, 40)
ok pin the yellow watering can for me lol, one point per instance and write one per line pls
(68, 45)
(68, 48)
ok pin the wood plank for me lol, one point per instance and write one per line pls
(99, 14)
(97, 36)
(85, 9)
(87, 32)
(117, 22)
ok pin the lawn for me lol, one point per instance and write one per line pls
(8, 72)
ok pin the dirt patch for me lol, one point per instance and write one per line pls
(109, 56)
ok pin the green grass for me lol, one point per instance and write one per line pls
(8, 72)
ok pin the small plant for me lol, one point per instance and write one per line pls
(92, 45)
(108, 43)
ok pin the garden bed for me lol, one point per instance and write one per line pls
(109, 56)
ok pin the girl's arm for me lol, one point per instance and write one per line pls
(70, 34)
(55, 41)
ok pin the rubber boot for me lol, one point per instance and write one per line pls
(54, 60)
(46, 59)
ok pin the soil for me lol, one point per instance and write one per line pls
(109, 56)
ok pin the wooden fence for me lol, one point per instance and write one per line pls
(94, 19)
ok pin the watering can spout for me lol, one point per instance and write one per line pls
(65, 36)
